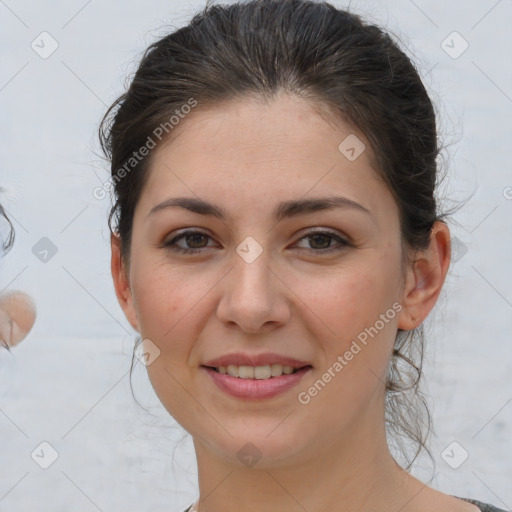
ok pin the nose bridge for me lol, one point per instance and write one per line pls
(252, 294)
(251, 278)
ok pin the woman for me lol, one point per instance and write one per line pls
(277, 245)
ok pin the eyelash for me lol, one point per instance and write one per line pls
(173, 247)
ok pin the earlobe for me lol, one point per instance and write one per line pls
(425, 278)
(122, 282)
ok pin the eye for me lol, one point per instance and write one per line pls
(195, 239)
(319, 241)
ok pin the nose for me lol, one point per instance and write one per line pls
(254, 296)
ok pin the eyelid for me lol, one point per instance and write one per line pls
(180, 234)
(327, 231)
(341, 239)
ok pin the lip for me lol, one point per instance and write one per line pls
(254, 388)
(239, 359)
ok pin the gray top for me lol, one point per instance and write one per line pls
(484, 507)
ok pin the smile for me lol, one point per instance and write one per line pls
(256, 382)
(256, 372)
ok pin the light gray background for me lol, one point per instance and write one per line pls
(71, 388)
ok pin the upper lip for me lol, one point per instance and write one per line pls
(239, 359)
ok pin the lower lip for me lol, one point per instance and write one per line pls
(256, 388)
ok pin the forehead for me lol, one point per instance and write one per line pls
(256, 150)
(285, 127)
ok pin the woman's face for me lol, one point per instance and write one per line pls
(276, 281)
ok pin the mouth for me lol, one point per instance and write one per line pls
(256, 382)
(265, 372)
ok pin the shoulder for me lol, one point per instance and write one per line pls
(484, 507)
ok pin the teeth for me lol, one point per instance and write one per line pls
(277, 370)
(262, 372)
(256, 372)
(233, 370)
(246, 372)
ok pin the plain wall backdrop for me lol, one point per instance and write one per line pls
(71, 386)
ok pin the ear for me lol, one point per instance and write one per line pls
(425, 278)
(122, 282)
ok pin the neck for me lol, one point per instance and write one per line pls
(356, 473)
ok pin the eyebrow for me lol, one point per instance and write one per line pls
(283, 210)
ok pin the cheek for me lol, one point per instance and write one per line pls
(355, 352)
(357, 322)
(172, 308)
(163, 298)
(168, 307)
(350, 300)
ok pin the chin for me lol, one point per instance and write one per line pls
(259, 446)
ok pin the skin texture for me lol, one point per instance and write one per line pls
(247, 156)
(17, 316)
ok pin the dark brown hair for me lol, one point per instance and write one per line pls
(328, 57)
(8, 242)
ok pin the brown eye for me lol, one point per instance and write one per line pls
(320, 242)
(194, 242)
